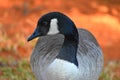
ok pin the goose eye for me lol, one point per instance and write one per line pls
(45, 23)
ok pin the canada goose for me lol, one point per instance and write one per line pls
(64, 52)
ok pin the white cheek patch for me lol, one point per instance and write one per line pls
(53, 27)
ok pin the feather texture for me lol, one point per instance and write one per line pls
(89, 56)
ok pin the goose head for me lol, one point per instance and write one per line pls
(54, 23)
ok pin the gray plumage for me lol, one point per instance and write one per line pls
(89, 56)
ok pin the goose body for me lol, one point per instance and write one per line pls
(63, 56)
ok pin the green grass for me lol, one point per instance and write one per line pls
(111, 71)
(20, 70)
(15, 70)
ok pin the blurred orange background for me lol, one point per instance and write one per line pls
(18, 20)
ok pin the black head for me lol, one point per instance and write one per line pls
(54, 23)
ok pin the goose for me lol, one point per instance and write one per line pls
(64, 52)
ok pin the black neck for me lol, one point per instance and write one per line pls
(69, 48)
